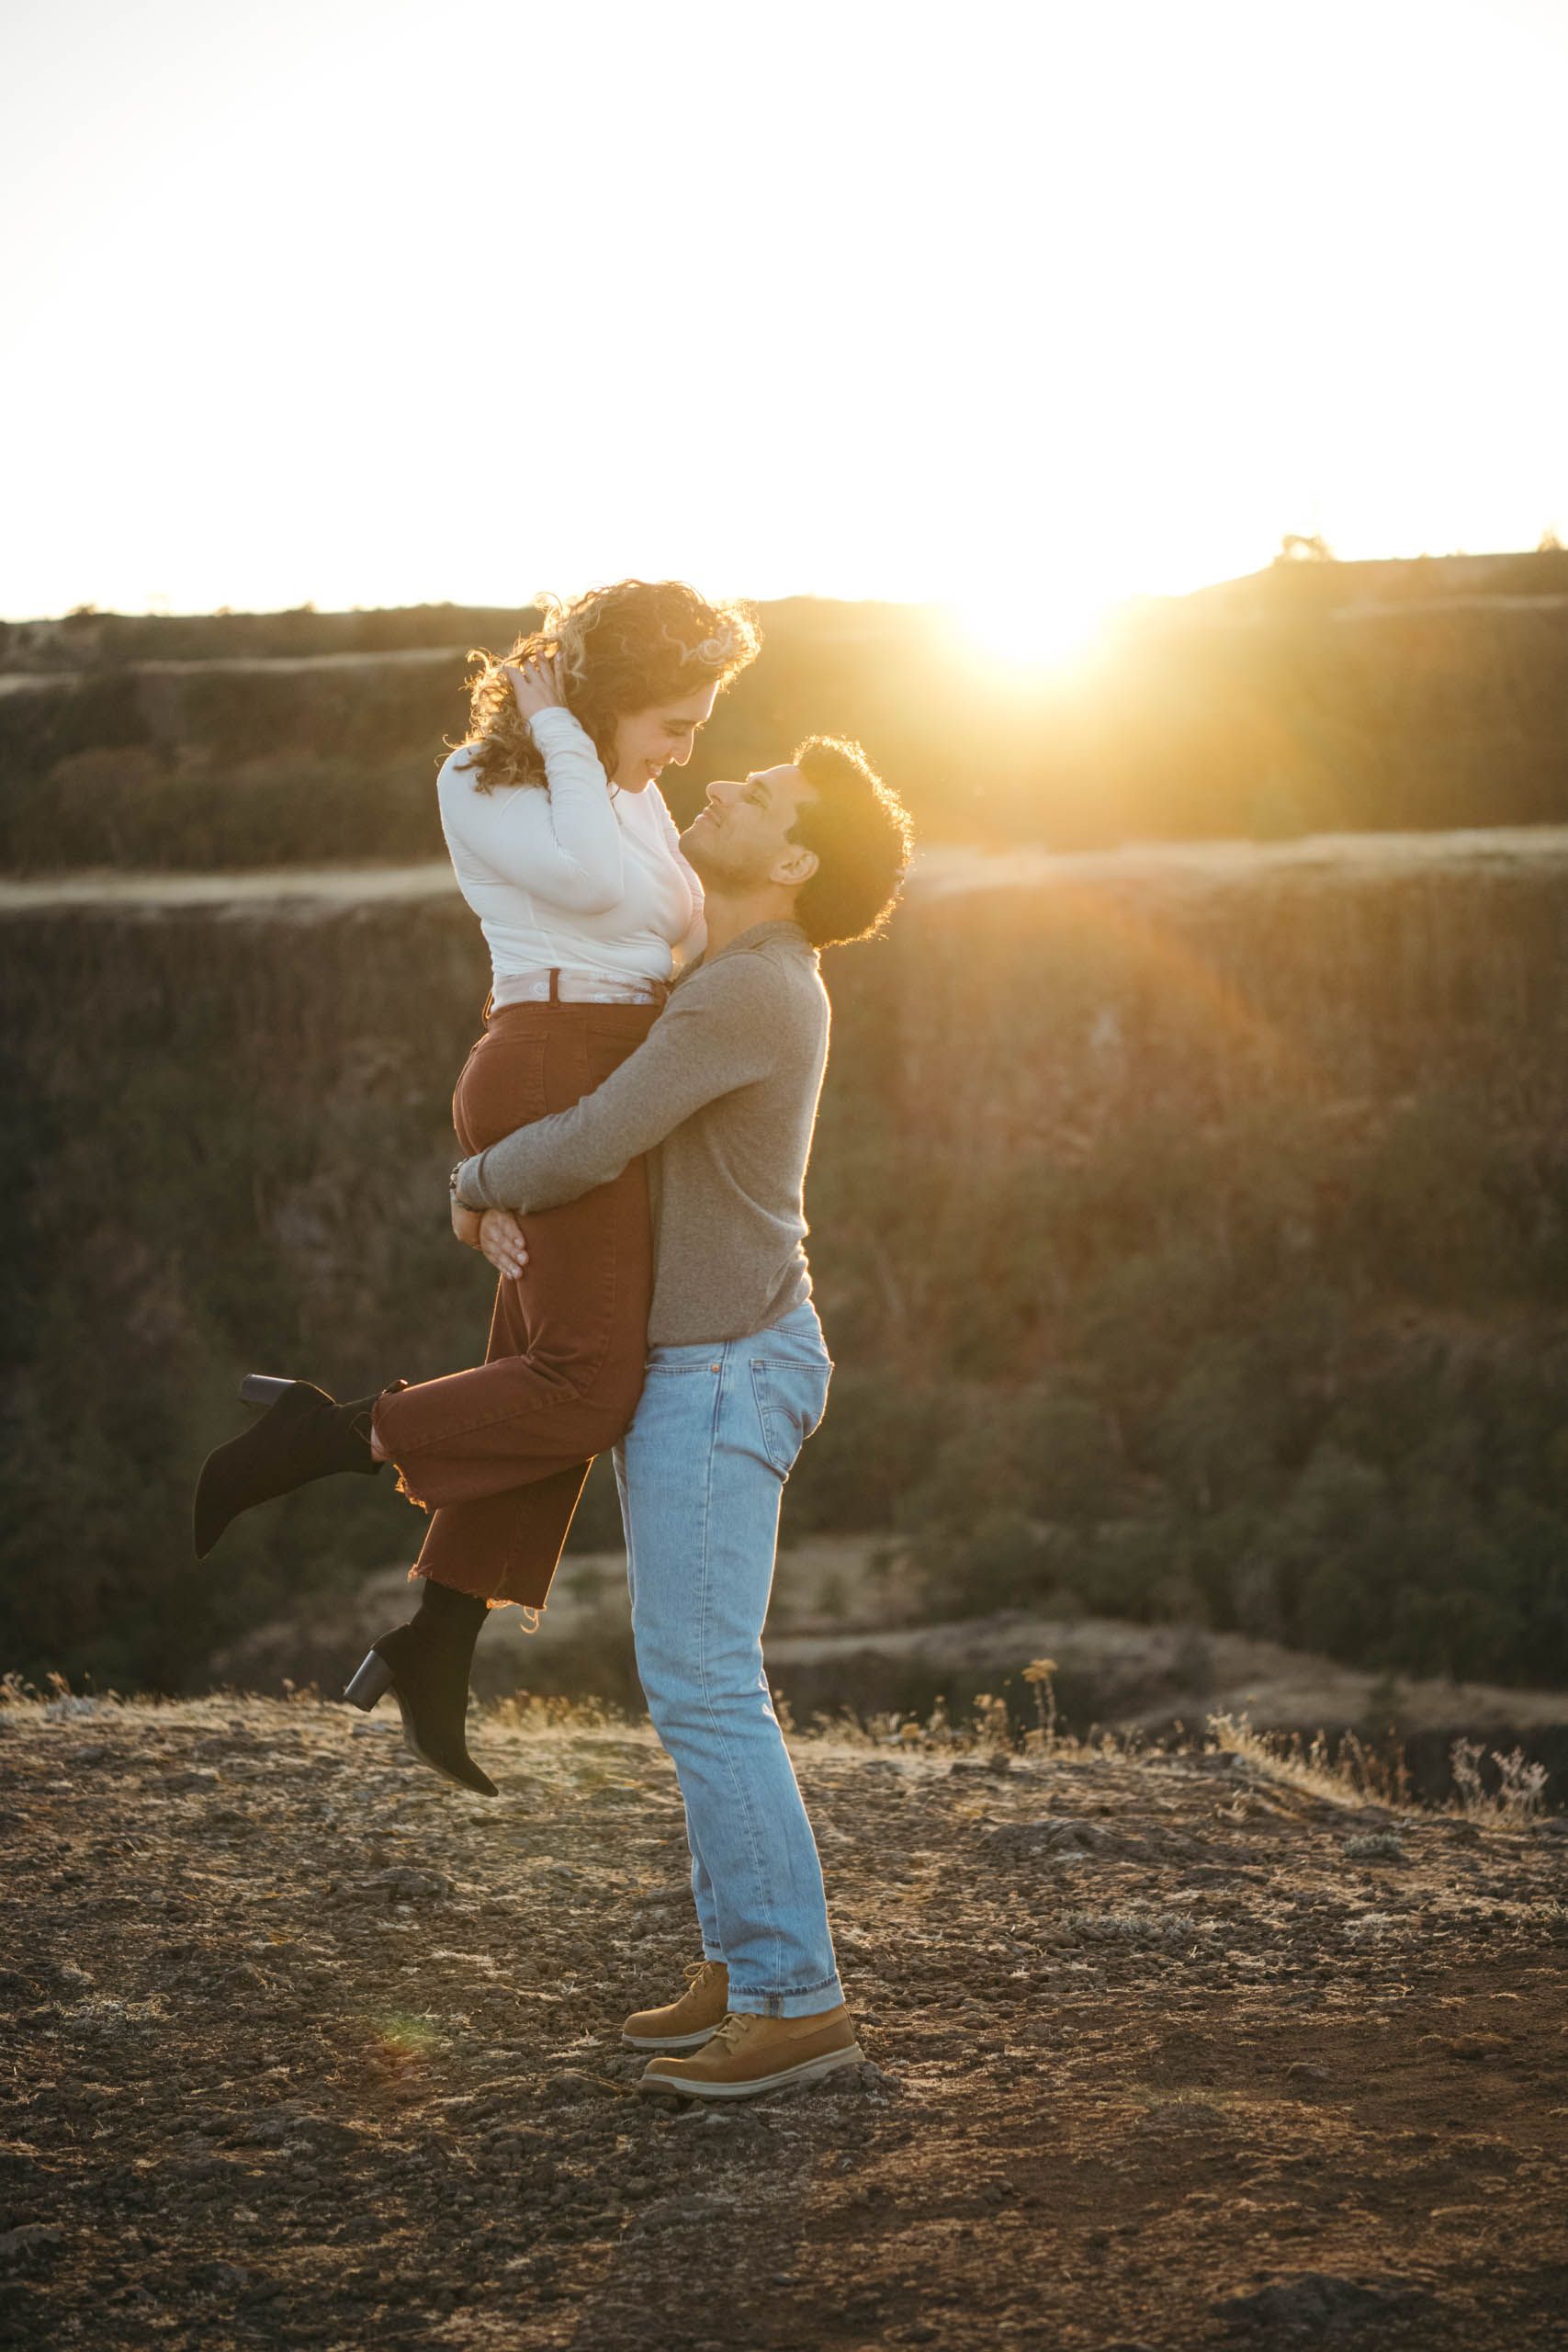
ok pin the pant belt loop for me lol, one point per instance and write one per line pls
(555, 986)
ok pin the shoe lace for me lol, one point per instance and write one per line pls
(697, 1969)
(733, 2027)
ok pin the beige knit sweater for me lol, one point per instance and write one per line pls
(723, 1095)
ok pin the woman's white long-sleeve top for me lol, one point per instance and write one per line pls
(573, 875)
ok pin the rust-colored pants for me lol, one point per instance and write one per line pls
(500, 1454)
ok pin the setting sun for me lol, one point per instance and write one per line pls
(1031, 629)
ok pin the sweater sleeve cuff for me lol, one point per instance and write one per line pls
(469, 1187)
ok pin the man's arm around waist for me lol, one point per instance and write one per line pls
(721, 1030)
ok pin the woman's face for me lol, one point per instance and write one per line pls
(647, 740)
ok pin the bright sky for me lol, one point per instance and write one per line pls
(365, 302)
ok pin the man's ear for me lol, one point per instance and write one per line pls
(795, 868)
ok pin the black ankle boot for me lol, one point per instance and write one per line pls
(424, 1665)
(304, 1434)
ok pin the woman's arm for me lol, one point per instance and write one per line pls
(562, 844)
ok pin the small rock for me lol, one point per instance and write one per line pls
(219, 2278)
(568, 2084)
(1182, 2115)
(325, 2137)
(1056, 1834)
(31, 2237)
(1317, 2300)
(1376, 1846)
(875, 2080)
(1479, 2045)
(403, 1885)
(685, 2208)
(264, 2131)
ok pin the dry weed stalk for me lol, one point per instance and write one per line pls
(1520, 1784)
(1349, 1779)
(537, 1711)
(1039, 1673)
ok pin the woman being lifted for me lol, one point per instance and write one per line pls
(565, 850)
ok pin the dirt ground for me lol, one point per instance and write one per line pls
(307, 2048)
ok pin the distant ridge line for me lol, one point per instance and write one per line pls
(940, 872)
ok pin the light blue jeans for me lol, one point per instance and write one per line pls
(701, 1472)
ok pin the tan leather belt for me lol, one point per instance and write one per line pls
(574, 988)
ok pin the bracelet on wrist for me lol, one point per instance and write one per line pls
(458, 1199)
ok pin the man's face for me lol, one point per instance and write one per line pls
(647, 740)
(740, 840)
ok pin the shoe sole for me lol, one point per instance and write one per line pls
(810, 2070)
(668, 2041)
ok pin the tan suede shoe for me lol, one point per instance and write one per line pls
(747, 2054)
(684, 2024)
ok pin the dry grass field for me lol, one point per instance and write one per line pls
(1164, 2050)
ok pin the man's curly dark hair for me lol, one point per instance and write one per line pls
(862, 837)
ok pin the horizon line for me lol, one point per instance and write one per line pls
(1281, 562)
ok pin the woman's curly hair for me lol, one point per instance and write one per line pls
(621, 648)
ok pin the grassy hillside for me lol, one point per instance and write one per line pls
(1188, 1250)
(1294, 703)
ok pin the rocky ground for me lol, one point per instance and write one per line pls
(1164, 2050)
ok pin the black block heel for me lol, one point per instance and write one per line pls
(430, 1683)
(373, 1680)
(263, 1388)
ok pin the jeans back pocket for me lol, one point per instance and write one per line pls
(792, 1397)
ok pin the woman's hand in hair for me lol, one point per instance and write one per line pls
(501, 1239)
(536, 686)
